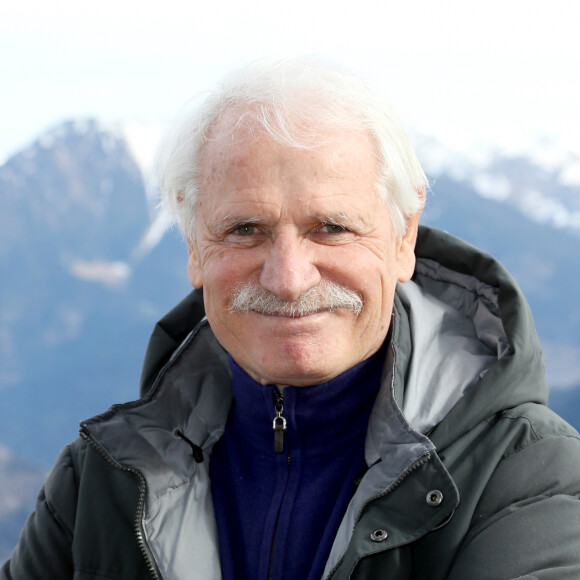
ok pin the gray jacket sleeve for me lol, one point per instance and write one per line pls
(44, 548)
(527, 523)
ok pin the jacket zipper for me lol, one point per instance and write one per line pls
(421, 461)
(138, 526)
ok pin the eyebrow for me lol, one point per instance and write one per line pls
(341, 219)
(229, 222)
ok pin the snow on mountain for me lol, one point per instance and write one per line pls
(152, 235)
(542, 182)
(142, 141)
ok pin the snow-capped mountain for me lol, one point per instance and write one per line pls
(543, 183)
(79, 293)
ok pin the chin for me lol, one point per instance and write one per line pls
(299, 367)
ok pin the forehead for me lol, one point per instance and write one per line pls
(250, 158)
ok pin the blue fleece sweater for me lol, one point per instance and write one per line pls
(278, 513)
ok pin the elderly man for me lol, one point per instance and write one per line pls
(338, 404)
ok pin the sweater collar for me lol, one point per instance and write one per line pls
(318, 418)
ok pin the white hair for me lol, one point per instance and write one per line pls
(297, 103)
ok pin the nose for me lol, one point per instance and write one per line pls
(288, 270)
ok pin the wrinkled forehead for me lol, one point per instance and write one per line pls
(255, 151)
(303, 126)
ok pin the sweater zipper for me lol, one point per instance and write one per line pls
(279, 427)
(279, 423)
(138, 525)
(271, 561)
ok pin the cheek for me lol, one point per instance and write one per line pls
(378, 288)
(223, 269)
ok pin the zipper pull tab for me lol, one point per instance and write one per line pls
(279, 423)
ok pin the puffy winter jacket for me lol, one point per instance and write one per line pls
(470, 475)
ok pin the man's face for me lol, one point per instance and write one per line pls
(287, 221)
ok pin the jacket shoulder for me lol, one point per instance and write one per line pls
(541, 459)
(46, 539)
(528, 514)
(541, 421)
(84, 522)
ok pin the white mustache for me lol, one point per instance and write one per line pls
(326, 296)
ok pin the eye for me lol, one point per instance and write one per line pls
(245, 230)
(332, 229)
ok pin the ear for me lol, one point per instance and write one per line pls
(194, 270)
(406, 246)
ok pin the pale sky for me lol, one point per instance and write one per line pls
(500, 72)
